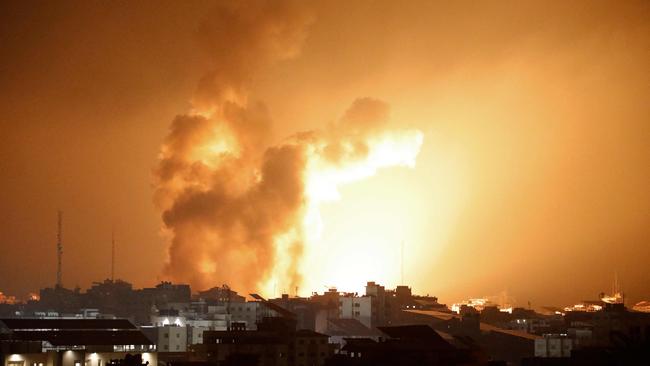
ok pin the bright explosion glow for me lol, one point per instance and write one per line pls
(322, 182)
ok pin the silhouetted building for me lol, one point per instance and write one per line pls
(404, 345)
(221, 295)
(309, 314)
(275, 342)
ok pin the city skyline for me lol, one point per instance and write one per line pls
(475, 149)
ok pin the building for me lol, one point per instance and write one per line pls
(359, 308)
(221, 295)
(111, 298)
(309, 314)
(248, 313)
(72, 342)
(402, 345)
(167, 292)
(196, 327)
(341, 329)
(171, 338)
(276, 342)
(164, 317)
(380, 311)
(553, 345)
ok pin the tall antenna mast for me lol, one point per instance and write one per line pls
(402, 263)
(113, 255)
(59, 250)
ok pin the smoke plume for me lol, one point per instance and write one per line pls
(240, 211)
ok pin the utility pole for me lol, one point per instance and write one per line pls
(113, 255)
(59, 250)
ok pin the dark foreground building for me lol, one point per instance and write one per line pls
(72, 342)
(404, 345)
(276, 342)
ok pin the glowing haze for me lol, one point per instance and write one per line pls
(239, 211)
(532, 177)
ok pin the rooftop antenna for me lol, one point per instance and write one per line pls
(113, 255)
(59, 250)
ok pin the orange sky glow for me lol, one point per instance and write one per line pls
(491, 147)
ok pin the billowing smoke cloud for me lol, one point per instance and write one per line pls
(237, 210)
(242, 38)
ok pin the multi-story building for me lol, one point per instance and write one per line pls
(196, 327)
(309, 314)
(359, 308)
(380, 311)
(248, 313)
(276, 342)
(553, 345)
(112, 297)
(171, 338)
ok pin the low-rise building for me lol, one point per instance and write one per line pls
(72, 342)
